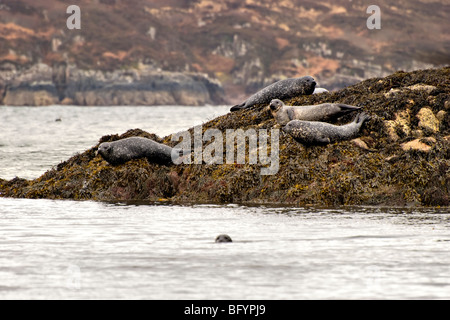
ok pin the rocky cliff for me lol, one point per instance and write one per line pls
(43, 85)
(401, 158)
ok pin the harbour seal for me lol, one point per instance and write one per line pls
(314, 132)
(321, 112)
(121, 151)
(283, 89)
(223, 238)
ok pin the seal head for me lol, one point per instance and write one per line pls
(275, 105)
(223, 238)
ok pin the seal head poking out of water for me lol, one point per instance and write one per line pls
(314, 132)
(321, 112)
(121, 151)
(223, 238)
(283, 89)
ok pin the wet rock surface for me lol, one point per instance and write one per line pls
(373, 170)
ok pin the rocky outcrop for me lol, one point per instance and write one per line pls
(32, 87)
(377, 168)
(61, 84)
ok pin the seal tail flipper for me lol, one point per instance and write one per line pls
(345, 108)
(362, 117)
(238, 107)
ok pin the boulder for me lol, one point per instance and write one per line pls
(427, 120)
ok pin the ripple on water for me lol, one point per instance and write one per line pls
(69, 249)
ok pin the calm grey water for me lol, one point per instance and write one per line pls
(93, 250)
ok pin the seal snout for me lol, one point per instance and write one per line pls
(287, 128)
(312, 81)
(275, 104)
(272, 106)
(104, 150)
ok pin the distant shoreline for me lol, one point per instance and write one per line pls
(42, 85)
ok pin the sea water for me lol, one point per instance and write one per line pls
(96, 250)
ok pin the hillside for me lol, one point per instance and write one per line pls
(244, 44)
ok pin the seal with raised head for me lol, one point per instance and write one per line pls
(121, 151)
(321, 112)
(314, 132)
(283, 89)
(223, 238)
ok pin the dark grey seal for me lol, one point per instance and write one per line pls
(223, 238)
(314, 132)
(321, 112)
(121, 151)
(283, 89)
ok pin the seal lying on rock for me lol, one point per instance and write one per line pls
(283, 89)
(321, 112)
(121, 151)
(313, 132)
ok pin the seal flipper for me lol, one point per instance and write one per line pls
(321, 139)
(362, 117)
(238, 107)
(345, 109)
(318, 140)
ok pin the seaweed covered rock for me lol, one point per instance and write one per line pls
(401, 157)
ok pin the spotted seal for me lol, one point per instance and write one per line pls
(314, 132)
(283, 89)
(223, 238)
(321, 112)
(121, 151)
